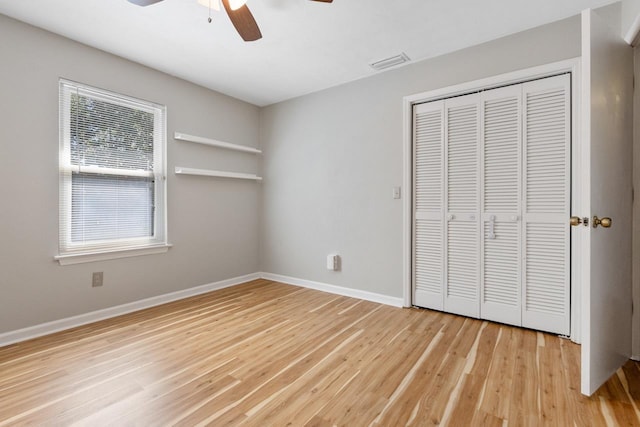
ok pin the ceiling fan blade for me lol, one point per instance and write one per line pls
(243, 20)
(144, 2)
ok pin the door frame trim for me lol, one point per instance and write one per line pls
(572, 66)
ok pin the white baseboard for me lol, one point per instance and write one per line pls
(30, 332)
(94, 316)
(333, 289)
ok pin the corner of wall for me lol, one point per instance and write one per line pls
(261, 169)
(635, 236)
(630, 20)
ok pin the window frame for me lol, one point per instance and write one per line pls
(70, 252)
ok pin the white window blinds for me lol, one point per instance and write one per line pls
(111, 171)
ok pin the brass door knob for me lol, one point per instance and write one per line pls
(575, 221)
(605, 222)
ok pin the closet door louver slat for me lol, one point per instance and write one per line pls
(462, 201)
(428, 259)
(546, 131)
(501, 181)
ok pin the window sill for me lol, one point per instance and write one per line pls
(83, 257)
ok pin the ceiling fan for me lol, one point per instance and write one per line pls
(238, 12)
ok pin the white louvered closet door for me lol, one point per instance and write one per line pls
(462, 203)
(491, 202)
(428, 184)
(500, 282)
(546, 200)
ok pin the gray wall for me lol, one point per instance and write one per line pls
(213, 223)
(333, 157)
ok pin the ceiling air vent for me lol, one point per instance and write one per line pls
(392, 61)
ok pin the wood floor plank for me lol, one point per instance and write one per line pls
(170, 392)
(501, 374)
(476, 371)
(330, 377)
(523, 395)
(265, 353)
(586, 410)
(430, 388)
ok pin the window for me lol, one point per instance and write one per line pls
(112, 169)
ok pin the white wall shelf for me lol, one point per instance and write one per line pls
(214, 143)
(218, 174)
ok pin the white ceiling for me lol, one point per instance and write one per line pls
(306, 46)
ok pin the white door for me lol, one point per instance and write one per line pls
(546, 200)
(501, 143)
(607, 64)
(462, 205)
(491, 202)
(428, 208)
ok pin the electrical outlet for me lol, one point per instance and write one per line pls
(96, 279)
(333, 262)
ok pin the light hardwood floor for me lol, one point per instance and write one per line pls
(269, 354)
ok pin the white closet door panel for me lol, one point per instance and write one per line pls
(462, 153)
(462, 134)
(501, 181)
(501, 150)
(429, 261)
(546, 132)
(546, 299)
(547, 145)
(501, 274)
(428, 228)
(428, 134)
(463, 259)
